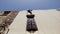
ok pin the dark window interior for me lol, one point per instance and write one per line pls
(6, 13)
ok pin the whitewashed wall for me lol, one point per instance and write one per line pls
(48, 22)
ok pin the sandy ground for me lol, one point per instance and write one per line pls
(48, 22)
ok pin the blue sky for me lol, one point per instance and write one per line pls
(29, 4)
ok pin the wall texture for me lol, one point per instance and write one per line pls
(48, 22)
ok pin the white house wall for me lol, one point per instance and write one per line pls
(48, 22)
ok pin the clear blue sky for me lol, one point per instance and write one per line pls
(29, 4)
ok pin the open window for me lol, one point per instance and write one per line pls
(6, 13)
